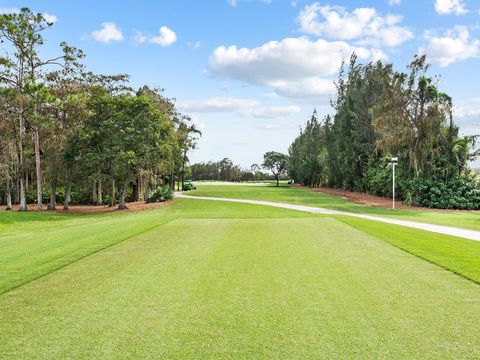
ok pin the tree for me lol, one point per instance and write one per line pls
(86, 129)
(125, 135)
(380, 113)
(22, 70)
(275, 162)
(255, 169)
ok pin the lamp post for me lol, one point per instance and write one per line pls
(393, 162)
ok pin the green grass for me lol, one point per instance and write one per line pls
(458, 255)
(286, 194)
(205, 279)
(47, 242)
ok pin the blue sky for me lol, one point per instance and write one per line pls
(250, 72)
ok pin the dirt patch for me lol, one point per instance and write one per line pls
(94, 209)
(372, 200)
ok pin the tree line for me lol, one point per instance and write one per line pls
(67, 134)
(226, 170)
(379, 113)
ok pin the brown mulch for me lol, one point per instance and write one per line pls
(372, 200)
(93, 209)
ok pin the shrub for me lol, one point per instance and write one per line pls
(461, 193)
(189, 186)
(160, 194)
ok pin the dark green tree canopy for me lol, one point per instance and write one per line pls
(275, 162)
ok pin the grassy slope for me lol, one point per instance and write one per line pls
(240, 281)
(311, 198)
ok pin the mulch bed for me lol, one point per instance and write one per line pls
(372, 200)
(93, 209)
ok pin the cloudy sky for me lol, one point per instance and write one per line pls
(250, 72)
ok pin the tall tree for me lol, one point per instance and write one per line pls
(22, 71)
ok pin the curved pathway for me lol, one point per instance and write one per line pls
(441, 229)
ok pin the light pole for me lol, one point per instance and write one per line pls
(393, 162)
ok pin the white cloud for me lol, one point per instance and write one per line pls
(139, 37)
(232, 2)
(48, 17)
(394, 2)
(216, 104)
(166, 38)
(271, 95)
(311, 88)
(270, 111)
(454, 45)
(445, 7)
(108, 33)
(293, 67)
(467, 114)
(276, 126)
(364, 25)
(244, 107)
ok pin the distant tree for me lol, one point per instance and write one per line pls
(255, 169)
(275, 162)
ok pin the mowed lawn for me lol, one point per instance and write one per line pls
(302, 196)
(202, 279)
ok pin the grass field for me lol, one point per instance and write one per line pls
(286, 194)
(204, 279)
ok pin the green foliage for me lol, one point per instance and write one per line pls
(160, 194)
(462, 192)
(381, 113)
(88, 129)
(226, 170)
(378, 177)
(276, 162)
(308, 154)
(188, 186)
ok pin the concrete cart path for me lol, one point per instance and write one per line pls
(441, 229)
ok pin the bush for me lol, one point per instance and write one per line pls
(189, 186)
(160, 194)
(461, 193)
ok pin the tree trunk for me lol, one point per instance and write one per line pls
(94, 192)
(68, 195)
(8, 195)
(183, 170)
(53, 196)
(38, 169)
(183, 179)
(112, 200)
(136, 190)
(16, 191)
(172, 181)
(23, 202)
(276, 177)
(99, 197)
(121, 201)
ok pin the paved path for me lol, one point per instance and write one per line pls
(441, 229)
